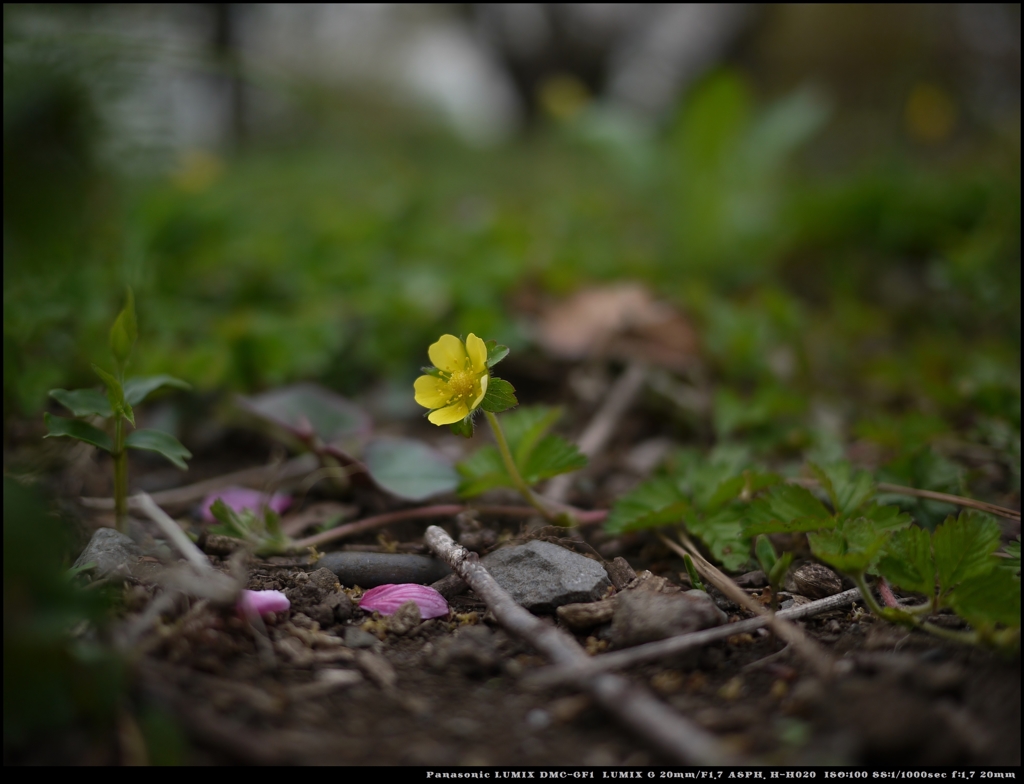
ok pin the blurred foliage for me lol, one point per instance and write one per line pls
(889, 290)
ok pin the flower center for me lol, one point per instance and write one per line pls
(461, 383)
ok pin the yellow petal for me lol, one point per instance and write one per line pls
(431, 392)
(483, 391)
(448, 354)
(477, 351)
(450, 415)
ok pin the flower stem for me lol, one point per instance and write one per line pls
(120, 456)
(513, 472)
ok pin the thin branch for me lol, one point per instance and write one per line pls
(440, 510)
(633, 705)
(179, 538)
(803, 645)
(600, 428)
(931, 495)
(673, 646)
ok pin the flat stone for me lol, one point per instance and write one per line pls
(368, 570)
(542, 576)
(116, 556)
(645, 616)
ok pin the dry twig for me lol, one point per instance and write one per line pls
(789, 632)
(674, 735)
(673, 646)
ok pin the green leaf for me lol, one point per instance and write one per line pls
(139, 388)
(795, 526)
(409, 468)
(495, 353)
(887, 518)
(525, 428)
(727, 491)
(552, 456)
(847, 491)
(115, 392)
(765, 552)
(691, 572)
(651, 504)
(162, 443)
(722, 533)
(907, 561)
(500, 396)
(75, 428)
(482, 471)
(964, 547)
(124, 332)
(777, 575)
(990, 598)
(1012, 563)
(298, 407)
(788, 502)
(83, 402)
(464, 427)
(230, 522)
(852, 548)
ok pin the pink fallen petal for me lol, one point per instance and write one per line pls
(262, 602)
(239, 498)
(385, 599)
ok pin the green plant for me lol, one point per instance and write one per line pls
(260, 529)
(774, 567)
(117, 406)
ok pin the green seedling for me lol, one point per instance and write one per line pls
(261, 530)
(457, 386)
(774, 567)
(116, 408)
(691, 572)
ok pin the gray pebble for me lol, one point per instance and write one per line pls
(542, 576)
(114, 553)
(357, 638)
(643, 616)
(368, 570)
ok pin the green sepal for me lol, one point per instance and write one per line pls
(464, 427)
(83, 402)
(495, 353)
(125, 331)
(500, 396)
(139, 388)
(76, 428)
(160, 442)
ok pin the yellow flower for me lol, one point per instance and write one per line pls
(460, 382)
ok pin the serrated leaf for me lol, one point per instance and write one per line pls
(124, 332)
(162, 443)
(795, 526)
(887, 518)
(76, 428)
(990, 598)
(495, 353)
(653, 503)
(409, 468)
(907, 561)
(139, 388)
(500, 396)
(552, 456)
(784, 503)
(83, 402)
(851, 549)
(847, 489)
(464, 427)
(482, 471)
(722, 533)
(115, 392)
(964, 547)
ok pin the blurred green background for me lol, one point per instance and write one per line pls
(829, 201)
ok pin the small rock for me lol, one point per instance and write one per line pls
(406, 618)
(341, 605)
(116, 556)
(755, 579)
(620, 572)
(542, 576)
(357, 638)
(645, 616)
(325, 580)
(368, 570)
